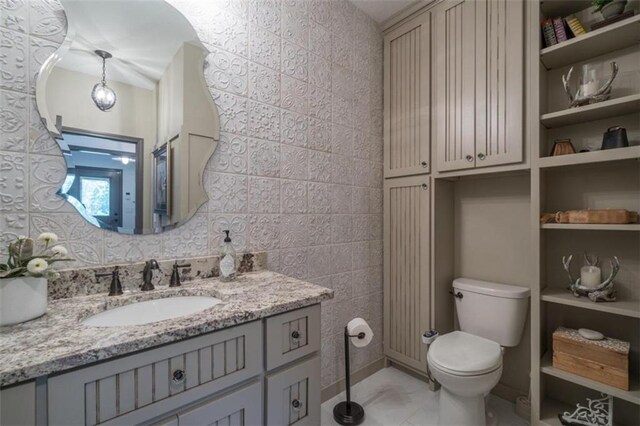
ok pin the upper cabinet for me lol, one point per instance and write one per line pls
(478, 84)
(407, 99)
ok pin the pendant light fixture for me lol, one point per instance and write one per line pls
(103, 96)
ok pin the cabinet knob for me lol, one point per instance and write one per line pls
(295, 335)
(482, 156)
(425, 186)
(296, 404)
(424, 164)
(469, 158)
(178, 376)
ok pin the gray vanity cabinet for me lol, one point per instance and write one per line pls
(223, 373)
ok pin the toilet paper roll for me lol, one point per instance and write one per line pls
(357, 326)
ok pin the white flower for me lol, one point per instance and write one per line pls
(59, 250)
(53, 275)
(37, 265)
(48, 237)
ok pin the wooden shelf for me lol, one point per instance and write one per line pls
(628, 308)
(611, 108)
(583, 158)
(563, 8)
(595, 43)
(632, 395)
(592, 226)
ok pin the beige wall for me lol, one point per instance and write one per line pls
(69, 95)
(492, 243)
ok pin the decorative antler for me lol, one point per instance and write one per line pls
(601, 94)
(604, 291)
(588, 261)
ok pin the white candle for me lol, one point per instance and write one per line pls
(589, 88)
(590, 276)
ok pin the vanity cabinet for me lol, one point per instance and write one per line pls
(225, 369)
(478, 83)
(407, 100)
(406, 269)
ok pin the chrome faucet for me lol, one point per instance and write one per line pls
(147, 274)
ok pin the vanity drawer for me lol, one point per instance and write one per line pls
(293, 395)
(298, 333)
(240, 408)
(136, 388)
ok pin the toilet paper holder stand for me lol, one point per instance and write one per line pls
(348, 412)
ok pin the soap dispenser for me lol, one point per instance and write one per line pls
(227, 260)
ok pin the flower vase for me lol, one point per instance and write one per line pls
(22, 299)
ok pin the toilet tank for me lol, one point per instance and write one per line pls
(494, 311)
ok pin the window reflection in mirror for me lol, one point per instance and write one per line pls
(126, 100)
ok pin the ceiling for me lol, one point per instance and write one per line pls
(381, 10)
(142, 35)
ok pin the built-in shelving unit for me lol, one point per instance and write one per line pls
(592, 226)
(631, 153)
(627, 308)
(611, 108)
(597, 180)
(603, 40)
(632, 395)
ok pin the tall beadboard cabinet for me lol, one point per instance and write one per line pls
(407, 197)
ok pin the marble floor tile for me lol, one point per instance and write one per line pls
(391, 397)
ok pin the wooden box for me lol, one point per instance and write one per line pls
(605, 361)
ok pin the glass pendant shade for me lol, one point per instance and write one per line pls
(103, 96)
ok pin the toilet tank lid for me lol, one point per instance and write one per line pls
(491, 289)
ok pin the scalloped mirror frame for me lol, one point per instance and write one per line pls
(212, 121)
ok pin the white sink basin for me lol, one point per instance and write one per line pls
(151, 311)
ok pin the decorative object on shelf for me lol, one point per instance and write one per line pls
(604, 361)
(23, 279)
(593, 86)
(608, 216)
(605, 22)
(615, 137)
(609, 8)
(562, 147)
(603, 291)
(103, 96)
(597, 412)
(575, 26)
(590, 334)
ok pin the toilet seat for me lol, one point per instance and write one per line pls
(463, 354)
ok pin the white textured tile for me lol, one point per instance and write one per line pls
(264, 158)
(12, 225)
(264, 121)
(264, 84)
(295, 22)
(39, 51)
(294, 94)
(228, 32)
(293, 262)
(47, 175)
(319, 262)
(294, 230)
(235, 223)
(131, 248)
(294, 61)
(319, 71)
(320, 166)
(14, 124)
(319, 197)
(293, 196)
(264, 195)
(233, 112)
(230, 155)
(47, 20)
(264, 232)
(40, 141)
(319, 38)
(14, 51)
(294, 162)
(319, 229)
(15, 15)
(190, 239)
(341, 257)
(13, 182)
(227, 193)
(341, 228)
(266, 14)
(294, 129)
(226, 71)
(319, 135)
(264, 47)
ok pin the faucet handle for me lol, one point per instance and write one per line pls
(175, 274)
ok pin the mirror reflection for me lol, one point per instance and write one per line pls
(126, 100)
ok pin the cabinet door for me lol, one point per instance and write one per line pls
(455, 85)
(240, 408)
(407, 104)
(499, 82)
(406, 269)
(293, 395)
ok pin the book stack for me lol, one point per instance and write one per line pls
(557, 30)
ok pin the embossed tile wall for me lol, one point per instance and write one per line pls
(298, 170)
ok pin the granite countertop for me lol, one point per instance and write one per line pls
(58, 341)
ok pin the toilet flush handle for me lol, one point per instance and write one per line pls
(458, 294)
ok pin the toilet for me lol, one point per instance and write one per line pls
(468, 363)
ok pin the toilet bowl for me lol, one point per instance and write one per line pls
(468, 363)
(467, 367)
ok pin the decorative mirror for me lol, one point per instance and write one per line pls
(126, 100)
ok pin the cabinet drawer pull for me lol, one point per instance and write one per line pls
(469, 158)
(178, 376)
(296, 404)
(424, 164)
(295, 335)
(482, 156)
(424, 186)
